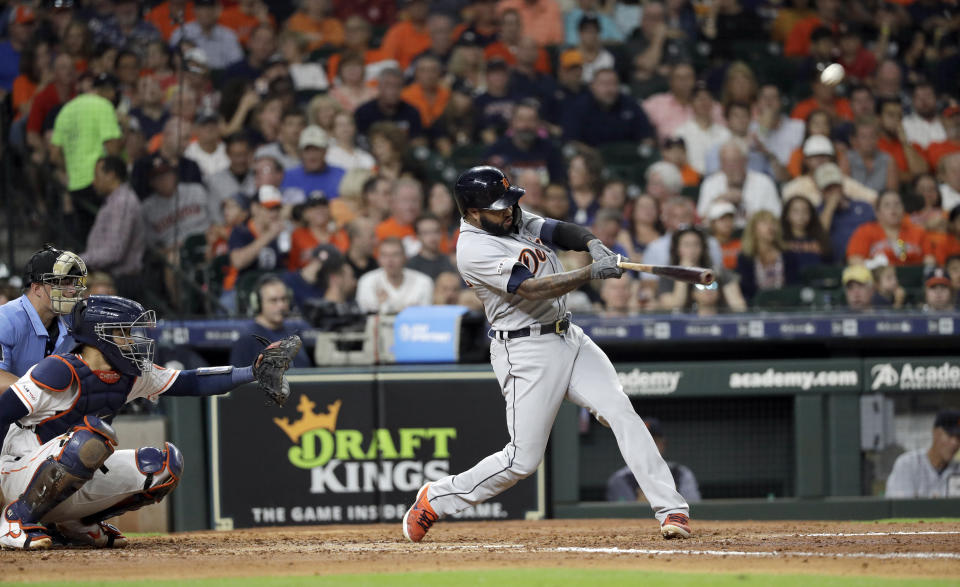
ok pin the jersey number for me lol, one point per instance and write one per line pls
(531, 259)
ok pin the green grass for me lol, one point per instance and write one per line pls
(540, 577)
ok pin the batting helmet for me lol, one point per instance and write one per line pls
(117, 328)
(63, 271)
(486, 188)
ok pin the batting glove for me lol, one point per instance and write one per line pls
(607, 267)
(598, 250)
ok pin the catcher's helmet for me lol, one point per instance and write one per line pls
(117, 328)
(63, 271)
(486, 188)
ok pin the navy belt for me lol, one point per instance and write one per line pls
(558, 327)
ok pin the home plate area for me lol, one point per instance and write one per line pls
(834, 548)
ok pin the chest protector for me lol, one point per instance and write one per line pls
(100, 397)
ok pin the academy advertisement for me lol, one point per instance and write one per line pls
(354, 451)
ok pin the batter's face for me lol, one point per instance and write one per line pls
(496, 222)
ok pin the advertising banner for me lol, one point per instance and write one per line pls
(346, 450)
(912, 374)
(427, 334)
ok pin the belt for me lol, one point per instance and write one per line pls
(558, 327)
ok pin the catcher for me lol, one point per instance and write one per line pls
(60, 473)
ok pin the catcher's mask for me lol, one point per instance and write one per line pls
(117, 327)
(65, 273)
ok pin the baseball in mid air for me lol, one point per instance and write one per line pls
(832, 74)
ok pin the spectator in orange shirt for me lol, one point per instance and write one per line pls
(798, 41)
(893, 140)
(541, 19)
(892, 234)
(315, 215)
(312, 21)
(508, 43)
(408, 38)
(356, 39)
(824, 98)
(426, 93)
(406, 206)
(245, 16)
(721, 217)
(951, 124)
(674, 150)
(35, 71)
(162, 16)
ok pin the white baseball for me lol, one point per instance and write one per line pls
(832, 74)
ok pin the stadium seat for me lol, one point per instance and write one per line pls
(910, 276)
(791, 297)
(629, 155)
(821, 276)
(466, 156)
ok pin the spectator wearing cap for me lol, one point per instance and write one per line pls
(778, 133)
(117, 241)
(605, 115)
(408, 38)
(344, 152)
(388, 106)
(237, 178)
(324, 278)
(927, 472)
(85, 129)
(748, 190)
(936, 150)
(313, 174)
(595, 57)
(938, 292)
(893, 140)
(209, 151)
(701, 132)
(393, 287)
(430, 259)
(167, 15)
(570, 84)
(506, 45)
(923, 126)
(428, 94)
(891, 235)
(720, 219)
(253, 246)
(315, 23)
(674, 150)
(669, 110)
(818, 150)
(174, 211)
(623, 485)
(123, 27)
(866, 163)
(286, 149)
(542, 19)
(840, 215)
(261, 46)
(949, 173)
(217, 41)
(858, 288)
(314, 214)
(245, 16)
(20, 30)
(572, 19)
(525, 146)
(173, 141)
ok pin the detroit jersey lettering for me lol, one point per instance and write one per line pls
(486, 262)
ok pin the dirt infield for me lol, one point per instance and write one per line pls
(890, 550)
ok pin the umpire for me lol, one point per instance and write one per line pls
(34, 325)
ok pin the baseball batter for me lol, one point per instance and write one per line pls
(538, 355)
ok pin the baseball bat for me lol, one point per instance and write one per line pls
(688, 274)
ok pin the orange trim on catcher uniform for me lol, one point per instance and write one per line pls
(22, 395)
(75, 400)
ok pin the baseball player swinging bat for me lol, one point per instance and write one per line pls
(697, 275)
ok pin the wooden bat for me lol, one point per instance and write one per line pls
(697, 275)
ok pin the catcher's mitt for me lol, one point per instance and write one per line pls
(272, 363)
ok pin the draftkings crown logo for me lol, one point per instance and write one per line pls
(309, 419)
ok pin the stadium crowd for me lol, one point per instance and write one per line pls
(184, 149)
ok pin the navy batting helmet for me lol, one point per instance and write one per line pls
(486, 188)
(117, 328)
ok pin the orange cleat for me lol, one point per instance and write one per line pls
(676, 526)
(420, 517)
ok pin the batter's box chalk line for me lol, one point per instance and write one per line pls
(762, 554)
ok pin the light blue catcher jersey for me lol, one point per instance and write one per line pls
(23, 338)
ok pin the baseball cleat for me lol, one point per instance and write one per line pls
(676, 526)
(419, 517)
(99, 535)
(20, 535)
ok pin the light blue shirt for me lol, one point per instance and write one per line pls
(23, 337)
(221, 45)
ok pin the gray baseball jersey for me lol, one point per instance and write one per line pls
(486, 262)
(914, 476)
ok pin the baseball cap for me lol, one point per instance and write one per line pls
(588, 19)
(196, 60)
(951, 110)
(571, 58)
(949, 420)
(497, 64)
(159, 166)
(937, 277)
(316, 198)
(269, 197)
(671, 142)
(827, 175)
(817, 145)
(720, 209)
(314, 136)
(22, 14)
(857, 273)
(653, 425)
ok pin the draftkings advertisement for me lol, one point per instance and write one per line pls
(355, 450)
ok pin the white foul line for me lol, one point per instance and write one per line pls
(929, 533)
(775, 553)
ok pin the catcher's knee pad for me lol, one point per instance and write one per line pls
(162, 469)
(59, 477)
